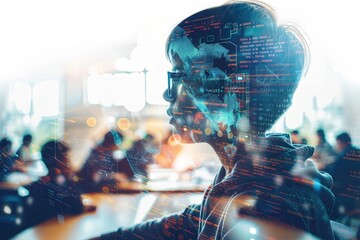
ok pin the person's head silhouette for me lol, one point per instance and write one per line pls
(27, 139)
(235, 70)
(55, 156)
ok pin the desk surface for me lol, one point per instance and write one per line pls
(112, 212)
(125, 210)
(162, 186)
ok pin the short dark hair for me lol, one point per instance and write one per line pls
(344, 138)
(112, 138)
(296, 132)
(4, 144)
(321, 133)
(272, 75)
(53, 151)
(27, 138)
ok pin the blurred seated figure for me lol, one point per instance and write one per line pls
(324, 153)
(54, 194)
(7, 158)
(106, 165)
(141, 154)
(24, 153)
(346, 175)
(296, 137)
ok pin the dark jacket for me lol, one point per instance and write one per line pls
(53, 197)
(278, 194)
(346, 175)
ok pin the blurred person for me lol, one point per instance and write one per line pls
(324, 153)
(55, 194)
(346, 175)
(105, 165)
(295, 137)
(226, 92)
(24, 152)
(141, 155)
(7, 158)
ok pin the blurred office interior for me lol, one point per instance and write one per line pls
(102, 64)
(72, 70)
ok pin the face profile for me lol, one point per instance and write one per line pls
(234, 73)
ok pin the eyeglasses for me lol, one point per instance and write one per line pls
(174, 78)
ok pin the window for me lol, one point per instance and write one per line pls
(22, 97)
(46, 98)
(156, 84)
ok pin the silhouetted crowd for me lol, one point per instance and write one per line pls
(59, 191)
(342, 162)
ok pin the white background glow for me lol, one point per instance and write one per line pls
(39, 33)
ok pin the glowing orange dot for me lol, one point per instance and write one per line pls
(105, 189)
(91, 122)
(123, 123)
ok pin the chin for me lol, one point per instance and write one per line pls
(186, 136)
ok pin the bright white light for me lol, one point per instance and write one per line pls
(121, 93)
(253, 231)
(92, 70)
(22, 97)
(46, 98)
(94, 89)
(119, 154)
(294, 118)
(122, 64)
(7, 209)
(138, 59)
(35, 120)
(26, 120)
(135, 106)
(135, 95)
(156, 84)
(145, 204)
(23, 192)
(111, 119)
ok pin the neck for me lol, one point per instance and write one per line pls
(230, 154)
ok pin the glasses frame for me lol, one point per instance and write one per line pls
(174, 78)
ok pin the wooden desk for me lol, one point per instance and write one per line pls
(112, 212)
(162, 186)
(123, 210)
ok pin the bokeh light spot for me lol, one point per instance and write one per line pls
(105, 189)
(123, 124)
(91, 122)
(208, 131)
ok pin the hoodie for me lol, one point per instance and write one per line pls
(280, 185)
